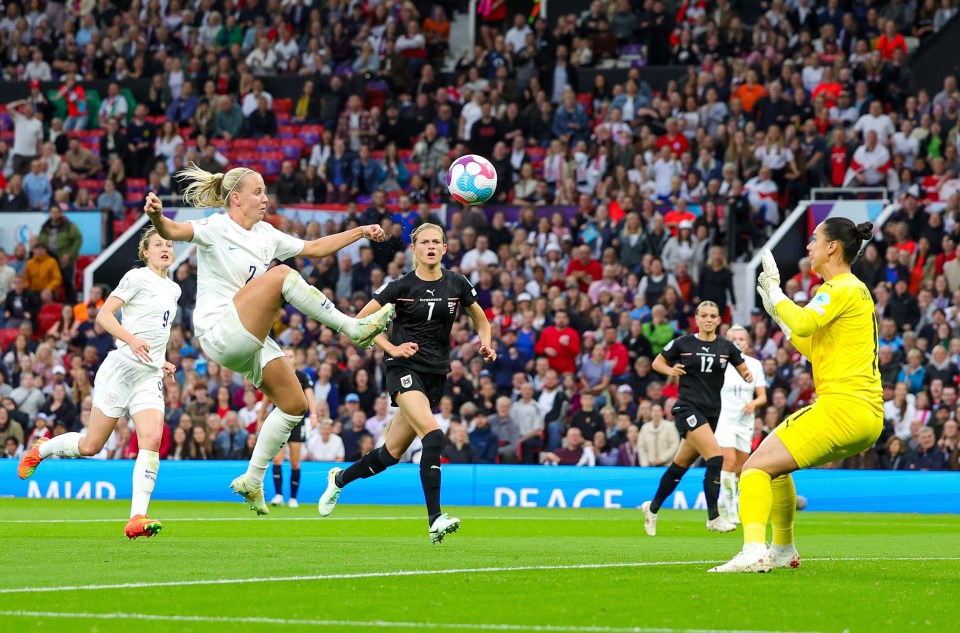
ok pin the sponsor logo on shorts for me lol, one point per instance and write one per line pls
(406, 381)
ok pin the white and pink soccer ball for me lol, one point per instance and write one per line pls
(472, 179)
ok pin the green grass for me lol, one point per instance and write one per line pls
(517, 567)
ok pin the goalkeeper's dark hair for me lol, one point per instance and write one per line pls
(851, 236)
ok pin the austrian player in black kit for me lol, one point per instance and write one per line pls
(699, 361)
(417, 357)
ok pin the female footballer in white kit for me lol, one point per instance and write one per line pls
(130, 380)
(739, 401)
(238, 295)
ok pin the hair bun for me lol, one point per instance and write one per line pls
(865, 230)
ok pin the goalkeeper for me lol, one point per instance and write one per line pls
(837, 333)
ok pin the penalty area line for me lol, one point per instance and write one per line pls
(433, 572)
(543, 628)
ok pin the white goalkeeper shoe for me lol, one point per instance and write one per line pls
(752, 559)
(442, 526)
(649, 520)
(720, 525)
(328, 500)
(784, 557)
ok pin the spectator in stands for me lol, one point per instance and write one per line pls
(658, 439)
(27, 134)
(21, 304)
(36, 186)
(63, 238)
(262, 121)
(42, 271)
(570, 122)
(340, 176)
(927, 455)
(76, 99)
(228, 119)
(429, 150)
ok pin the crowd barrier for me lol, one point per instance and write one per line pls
(484, 485)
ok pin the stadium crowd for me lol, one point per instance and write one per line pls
(778, 98)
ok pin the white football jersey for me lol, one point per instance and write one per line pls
(229, 257)
(149, 308)
(736, 393)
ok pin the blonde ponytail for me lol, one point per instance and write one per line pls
(209, 190)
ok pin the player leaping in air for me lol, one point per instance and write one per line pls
(837, 333)
(417, 356)
(238, 295)
(130, 380)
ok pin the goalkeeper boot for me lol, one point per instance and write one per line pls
(251, 493)
(650, 519)
(372, 325)
(328, 500)
(753, 558)
(784, 556)
(442, 526)
(30, 460)
(140, 525)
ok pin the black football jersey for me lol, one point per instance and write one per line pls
(705, 363)
(425, 313)
(305, 381)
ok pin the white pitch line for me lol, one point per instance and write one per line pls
(546, 628)
(618, 517)
(435, 572)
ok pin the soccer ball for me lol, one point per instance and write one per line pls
(472, 179)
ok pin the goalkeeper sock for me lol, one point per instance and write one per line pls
(315, 305)
(278, 478)
(66, 445)
(144, 479)
(756, 499)
(273, 436)
(783, 510)
(711, 485)
(668, 483)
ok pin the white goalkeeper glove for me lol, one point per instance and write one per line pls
(769, 279)
(769, 305)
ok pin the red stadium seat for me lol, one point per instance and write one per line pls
(7, 336)
(49, 314)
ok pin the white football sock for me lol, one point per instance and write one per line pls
(315, 305)
(66, 445)
(273, 435)
(725, 500)
(144, 479)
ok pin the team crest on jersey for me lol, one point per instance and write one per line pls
(112, 399)
(124, 283)
(406, 381)
(820, 302)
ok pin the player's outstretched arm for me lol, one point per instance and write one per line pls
(167, 228)
(330, 244)
(107, 319)
(484, 331)
(405, 350)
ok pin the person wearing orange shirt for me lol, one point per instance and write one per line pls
(81, 311)
(890, 41)
(750, 92)
(42, 272)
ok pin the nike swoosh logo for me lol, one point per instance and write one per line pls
(231, 248)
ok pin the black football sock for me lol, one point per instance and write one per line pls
(668, 483)
(373, 463)
(711, 485)
(430, 472)
(294, 482)
(278, 478)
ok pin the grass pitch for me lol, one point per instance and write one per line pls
(65, 566)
